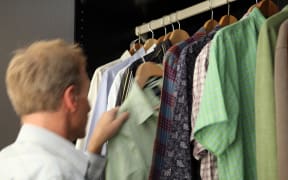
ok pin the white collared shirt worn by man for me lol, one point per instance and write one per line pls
(42, 148)
(48, 85)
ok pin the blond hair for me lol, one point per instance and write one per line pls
(38, 75)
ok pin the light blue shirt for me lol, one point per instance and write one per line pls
(41, 154)
(103, 92)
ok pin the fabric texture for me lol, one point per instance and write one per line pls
(93, 90)
(208, 167)
(180, 158)
(265, 97)
(161, 155)
(128, 76)
(281, 99)
(100, 105)
(40, 154)
(129, 153)
(225, 122)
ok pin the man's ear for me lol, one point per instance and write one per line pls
(70, 98)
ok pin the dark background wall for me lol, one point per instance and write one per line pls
(106, 35)
(23, 22)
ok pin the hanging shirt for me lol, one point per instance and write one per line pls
(41, 154)
(112, 95)
(208, 166)
(128, 76)
(225, 122)
(160, 153)
(265, 98)
(93, 90)
(281, 99)
(98, 74)
(100, 105)
(180, 159)
(129, 153)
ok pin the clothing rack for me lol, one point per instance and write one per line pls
(180, 15)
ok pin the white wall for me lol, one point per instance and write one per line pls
(21, 22)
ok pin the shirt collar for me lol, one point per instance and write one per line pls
(54, 144)
(285, 8)
(126, 54)
(144, 102)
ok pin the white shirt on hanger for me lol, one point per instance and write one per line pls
(94, 86)
(100, 105)
(112, 96)
(97, 76)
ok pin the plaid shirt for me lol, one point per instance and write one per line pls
(179, 146)
(160, 169)
(208, 167)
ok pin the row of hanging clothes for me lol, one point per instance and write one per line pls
(209, 106)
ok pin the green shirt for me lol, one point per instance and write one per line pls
(265, 97)
(129, 153)
(225, 123)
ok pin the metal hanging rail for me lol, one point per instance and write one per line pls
(178, 15)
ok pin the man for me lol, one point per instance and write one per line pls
(48, 86)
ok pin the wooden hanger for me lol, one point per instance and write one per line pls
(267, 7)
(135, 46)
(169, 33)
(147, 70)
(166, 37)
(210, 24)
(151, 41)
(160, 39)
(227, 18)
(178, 35)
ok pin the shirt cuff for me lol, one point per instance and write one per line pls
(96, 166)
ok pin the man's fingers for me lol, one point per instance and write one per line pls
(121, 118)
(114, 111)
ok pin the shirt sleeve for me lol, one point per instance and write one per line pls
(96, 166)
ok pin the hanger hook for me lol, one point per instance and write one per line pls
(149, 27)
(228, 3)
(137, 31)
(163, 24)
(177, 19)
(132, 44)
(139, 34)
(139, 38)
(211, 9)
(171, 22)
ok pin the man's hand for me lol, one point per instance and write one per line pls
(106, 127)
